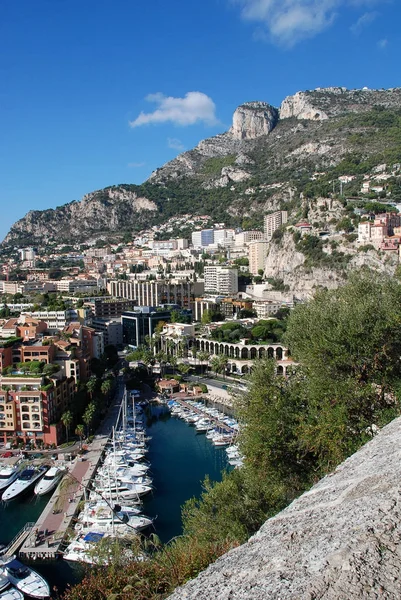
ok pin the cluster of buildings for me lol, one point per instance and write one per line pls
(121, 296)
(32, 400)
(384, 232)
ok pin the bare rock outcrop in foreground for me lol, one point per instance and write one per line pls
(339, 540)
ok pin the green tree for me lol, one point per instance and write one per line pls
(203, 357)
(66, 419)
(89, 415)
(349, 343)
(184, 369)
(80, 432)
(106, 387)
(91, 385)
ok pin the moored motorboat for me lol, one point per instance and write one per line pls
(12, 594)
(49, 481)
(8, 474)
(26, 580)
(4, 583)
(24, 482)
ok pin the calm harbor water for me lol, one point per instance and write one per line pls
(180, 461)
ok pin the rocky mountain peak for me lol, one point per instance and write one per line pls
(253, 119)
(324, 103)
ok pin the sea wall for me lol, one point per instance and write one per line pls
(339, 540)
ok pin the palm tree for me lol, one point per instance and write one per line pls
(91, 385)
(106, 387)
(80, 432)
(89, 415)
(162, 358)
(203, 357)
(184, 369)
(66, 419)
(215, 364)
(223, 360)
(173, 363)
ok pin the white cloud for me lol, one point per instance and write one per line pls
(175, 144)
(136, 165)
(286, 22)
(382, 43)
(193, 108)
(363, 21)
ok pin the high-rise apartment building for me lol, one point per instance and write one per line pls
(257, 252)
(221, 280)
(274, 221)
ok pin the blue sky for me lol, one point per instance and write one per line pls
(101, 92)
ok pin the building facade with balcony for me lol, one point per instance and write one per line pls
(31, 408)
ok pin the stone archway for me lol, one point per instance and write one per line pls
(279, 353)
(262, 352)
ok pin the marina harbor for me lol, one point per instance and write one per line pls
(100, 495)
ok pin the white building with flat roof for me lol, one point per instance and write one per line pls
(221, 280)
(274, 221)
(257, 252)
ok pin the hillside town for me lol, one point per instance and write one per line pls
(202, 303)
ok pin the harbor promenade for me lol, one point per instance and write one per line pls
(46, 537)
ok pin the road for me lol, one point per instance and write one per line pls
(218, 383)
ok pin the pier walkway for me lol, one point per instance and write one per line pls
(46, 537)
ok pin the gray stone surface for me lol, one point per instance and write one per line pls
(339, 540)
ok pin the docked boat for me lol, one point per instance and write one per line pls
(4, 583)
(24, 481)
(26, 580)
(8, 474)
(113, 526)
(12, 594)
(83, 549)
(49, 481)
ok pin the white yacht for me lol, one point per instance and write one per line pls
(119, 487)
(8, 474)
(4, 583)
(83, 549)
(118, 528)
(25, 480)
(11, 594)
(49, 481)
(26, 580)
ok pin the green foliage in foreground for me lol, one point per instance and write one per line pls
(294, 431)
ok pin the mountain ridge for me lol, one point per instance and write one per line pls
(229, 174)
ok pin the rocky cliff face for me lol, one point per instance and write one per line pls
(253, 119)
(341, 539)
(108, 210)
(323, 103)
